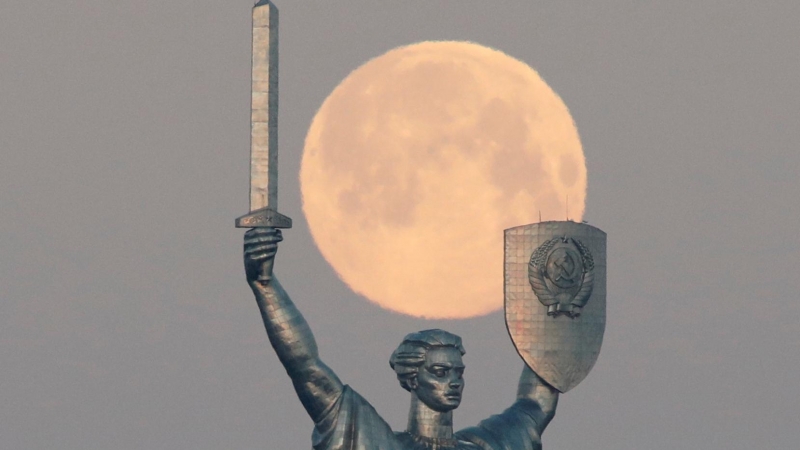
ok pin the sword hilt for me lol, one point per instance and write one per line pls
(264, 218)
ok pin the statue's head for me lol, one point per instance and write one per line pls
(428, 363)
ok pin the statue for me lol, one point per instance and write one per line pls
(554, 307)
(428, 364)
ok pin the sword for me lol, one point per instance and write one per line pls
(264, 127)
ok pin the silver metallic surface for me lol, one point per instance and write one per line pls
(264, 108)
(555, 298)
(264, 217)
(264, 127)
(428, 364)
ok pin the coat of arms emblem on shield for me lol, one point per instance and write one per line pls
(561, 273)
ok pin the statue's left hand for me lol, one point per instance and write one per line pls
(260, 247)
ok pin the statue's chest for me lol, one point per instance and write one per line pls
(418, 443)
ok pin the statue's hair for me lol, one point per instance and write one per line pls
(410, 354)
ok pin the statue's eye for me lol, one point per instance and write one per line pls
(439, 372)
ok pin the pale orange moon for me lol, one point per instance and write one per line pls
(417, 162)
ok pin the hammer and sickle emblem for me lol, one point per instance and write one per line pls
(561, 273)
(564, 267)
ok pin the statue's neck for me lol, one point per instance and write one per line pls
(425, 422)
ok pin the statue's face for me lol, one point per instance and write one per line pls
(440, 381)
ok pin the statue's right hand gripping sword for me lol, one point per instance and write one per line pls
(264, 128)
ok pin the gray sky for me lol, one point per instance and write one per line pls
(125, 321)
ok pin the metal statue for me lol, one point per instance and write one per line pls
(555, 314)
(428, 364)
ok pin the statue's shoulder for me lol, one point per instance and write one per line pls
(353, 423)
(513, 428)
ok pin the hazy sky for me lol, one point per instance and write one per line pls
(125, 320)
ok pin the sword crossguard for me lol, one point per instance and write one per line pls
(264, 217)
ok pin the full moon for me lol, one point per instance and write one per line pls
(417, 162)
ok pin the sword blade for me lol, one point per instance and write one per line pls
(264, 108)
(264, 123)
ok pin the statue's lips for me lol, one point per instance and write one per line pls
(453, 396)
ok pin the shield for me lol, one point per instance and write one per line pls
(555, 298)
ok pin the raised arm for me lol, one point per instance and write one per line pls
(316, 384)
(520, 426)
(532, 387)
